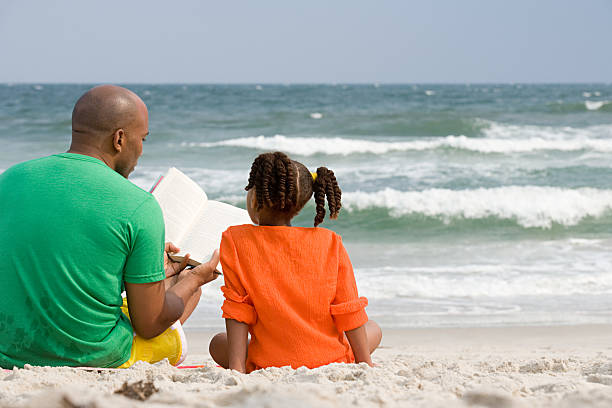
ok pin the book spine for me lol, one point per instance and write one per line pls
(156, 184)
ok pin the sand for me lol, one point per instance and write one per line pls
(568, 366)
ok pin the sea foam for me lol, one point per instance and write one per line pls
(497, 130)
(482, 280)
(308, 146)
(499, 139)
(529, 206)
(595, 105)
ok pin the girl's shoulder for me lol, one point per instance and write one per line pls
(276, 231)
(324, 232)
(237, 230)
(323, 236)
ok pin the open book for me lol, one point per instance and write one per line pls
(193, 222)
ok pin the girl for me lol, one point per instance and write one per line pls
(291, 288)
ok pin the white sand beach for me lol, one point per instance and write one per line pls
(563, 366)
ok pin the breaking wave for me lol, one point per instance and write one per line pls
(528, 206)
(498, 139)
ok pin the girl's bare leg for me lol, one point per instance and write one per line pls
(218, 349)
(218, 345)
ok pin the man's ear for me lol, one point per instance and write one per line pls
(118, 139)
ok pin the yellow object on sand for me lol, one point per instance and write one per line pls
(171, 344)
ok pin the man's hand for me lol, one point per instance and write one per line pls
(197, 276)
(204, 272)
(173, 268)
(155, 306)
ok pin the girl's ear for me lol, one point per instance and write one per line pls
(251, 205)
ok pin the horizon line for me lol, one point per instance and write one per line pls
(374, 83)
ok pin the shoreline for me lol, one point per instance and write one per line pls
(591, 335)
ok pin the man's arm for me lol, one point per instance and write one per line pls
(153, 309)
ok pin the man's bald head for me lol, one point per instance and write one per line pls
(110, 123)
(104, 109)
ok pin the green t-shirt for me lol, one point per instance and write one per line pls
(72, 230)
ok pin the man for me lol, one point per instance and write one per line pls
(74, 232)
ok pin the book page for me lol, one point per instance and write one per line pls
(204, 236)
(181, 200)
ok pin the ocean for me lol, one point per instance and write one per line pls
(463, 205)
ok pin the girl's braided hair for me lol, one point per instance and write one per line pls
(286, 185)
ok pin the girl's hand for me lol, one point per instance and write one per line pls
(368, 362)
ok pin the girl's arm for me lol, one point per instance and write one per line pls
(237, 340)
(358, 339)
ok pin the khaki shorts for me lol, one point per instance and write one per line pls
(171, 344)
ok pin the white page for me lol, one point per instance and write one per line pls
(204, 236)
(181, 200)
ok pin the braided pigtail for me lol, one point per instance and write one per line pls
(274, 177)
(326, 185)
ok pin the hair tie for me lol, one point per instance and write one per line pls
(314, 176)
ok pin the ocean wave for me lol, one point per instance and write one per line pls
(529, 206)
(497, 130)
(308, 146)
(595, 105)
(545, 278)
(477, 281)
(578, 107)
(524, 140)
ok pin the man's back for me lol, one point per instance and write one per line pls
(72, 230)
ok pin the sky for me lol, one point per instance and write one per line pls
(314, 41)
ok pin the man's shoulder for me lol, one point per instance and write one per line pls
(147, 206)
(83, 176)
(25, 172)
(26, 165)
(96, 174)
(136, 194)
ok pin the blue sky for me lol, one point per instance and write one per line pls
(304, 42)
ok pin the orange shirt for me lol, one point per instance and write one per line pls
(295, 289)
